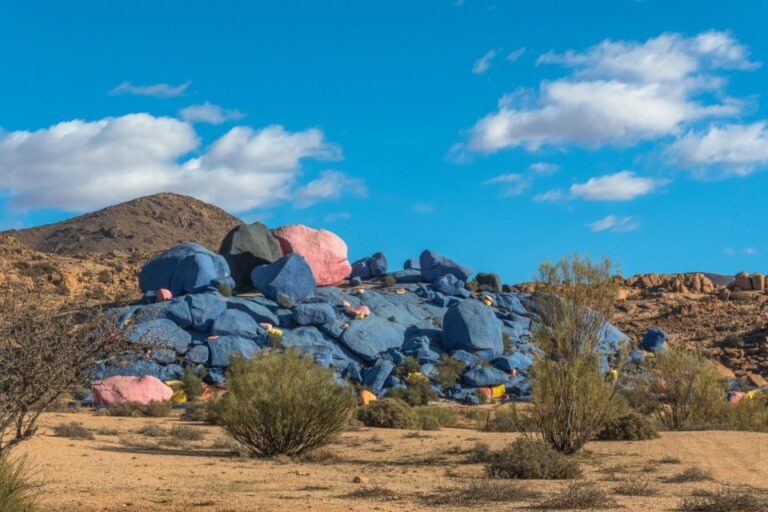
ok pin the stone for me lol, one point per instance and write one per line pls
(472, 326)
(257, 310)
(488, 282)
(480, 376)
(370, 267)
(375, 376)
(175, 310)
(290, 276)
(450, 285)
(246, 247)
(198, 354)
(313, 313)
(185, 268)
(233, 322)
(161, 333)
(407, 276)
(465, 357)
(371, 336)
(366, 397)
(223, 348)
(757, 380)
(654, 341)
(324, 251)
(517, 361)
(119, 389)
(758, 281)
(205, 308)
(411, 263)
(164, 294)
(742, 281)
(434, 266)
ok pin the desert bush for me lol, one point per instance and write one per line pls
(725, 501)
(373, 492)
(202, 411)
(751, 414)
(635, 488)
(390, 281)
(283, 404)
(72, 430)
(415, 393)
(443, 416)
(427, 423)
(193, 383)
(44, 351)
(448, 371)
(693, 474)
(480, 453)
(742, 297)
(17, 493)
(480, 493)
(687, 388)
(152, 430)
(508, 419)
(578, 496)
(531, 459)
(387, 413)
(186, 433)
(629, 427)
(408, 365)
(571, 399)
(137, 410)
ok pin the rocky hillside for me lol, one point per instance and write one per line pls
(146, 225)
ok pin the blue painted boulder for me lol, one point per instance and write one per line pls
(465, 357)
(233, 322)
(376, 376)
(370, 266)
(451, 285)
(198, 354)
(176, 310)
(289, 277)
(517, 361)
(407, 276)
(472, 326)
(369, 337)
(161, 333)
(434, 266)
(259, 308)
(480, 376)
(411, 263)
(654, 341)
(313, 313)
(205, 308)
(223, 348)
(185, 268)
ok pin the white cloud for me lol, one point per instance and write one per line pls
(619, 93)
(614, 224)
(551, 196)
(80, 165)
(157, 90)
(504, 178)
(747, 251)
(513, 56)
(514, 184)
(750, 251)
(544, 167)
(209, 113)
(330, 185)
(483, 63)
(735, 148)
(622, 186)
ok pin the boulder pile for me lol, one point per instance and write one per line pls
(359, 319)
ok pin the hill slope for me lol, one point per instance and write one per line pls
(145, 225)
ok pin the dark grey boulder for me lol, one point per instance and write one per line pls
(488, 282)
(434, 266)
(246, 247)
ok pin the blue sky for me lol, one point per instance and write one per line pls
(499, 133)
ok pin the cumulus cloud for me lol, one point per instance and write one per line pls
(157, 90)
(614, 224)
(513, 56)
(209, 113)
(483, 63)
(619, 93)
(544, 167)
(330, 185)
(83, 165)
(621, 186)
(733, 148)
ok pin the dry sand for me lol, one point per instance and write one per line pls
(129, 472)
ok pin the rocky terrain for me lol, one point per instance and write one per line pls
(96, 257)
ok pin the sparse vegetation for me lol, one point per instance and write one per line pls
(373, 492)
(152, 430)
(387, 413)
(283, 404)
(17, 492)
(442, 416)
(137, 410)
(571, 399)
(725, 501)
(531, 459)
(186, 433)
(578, 496)
(480, 493)
(629, 427)
(408, 366)
(73, 430)
(693, 474)
(415, 393)
(635, 488)
(448, 371)
(193, 383)
(509, 419)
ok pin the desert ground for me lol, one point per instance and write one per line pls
(123, 470)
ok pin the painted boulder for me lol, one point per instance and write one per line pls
(324, 251)
(119, 389)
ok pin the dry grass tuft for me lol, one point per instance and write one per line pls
(694, 474)
(578, 496)
(73, 430)
(480, 493)
(725, 501)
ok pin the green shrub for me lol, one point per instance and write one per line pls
(17, 493)
(693, 474)
(442, 416)
(390, 280)
(186, 433)
(629, 427)
(427, 423)
(73, 430)
(283, 404)
(409, 365)
(387, 413)
(578, 496)
(193, 383)
(472, 285)
(507, 419)
(137, 410)
(506, 339)
(418, 393)
(105, 277)
(531, 459)
(448, 371)
(751, 414)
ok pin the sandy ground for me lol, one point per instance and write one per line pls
(125, 471)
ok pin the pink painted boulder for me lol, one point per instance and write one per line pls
(118, 389)
(324, 251)
(164, 294)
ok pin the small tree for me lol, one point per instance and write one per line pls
(283, 404)
(686, 387)
(571, 399)
(44, 350)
